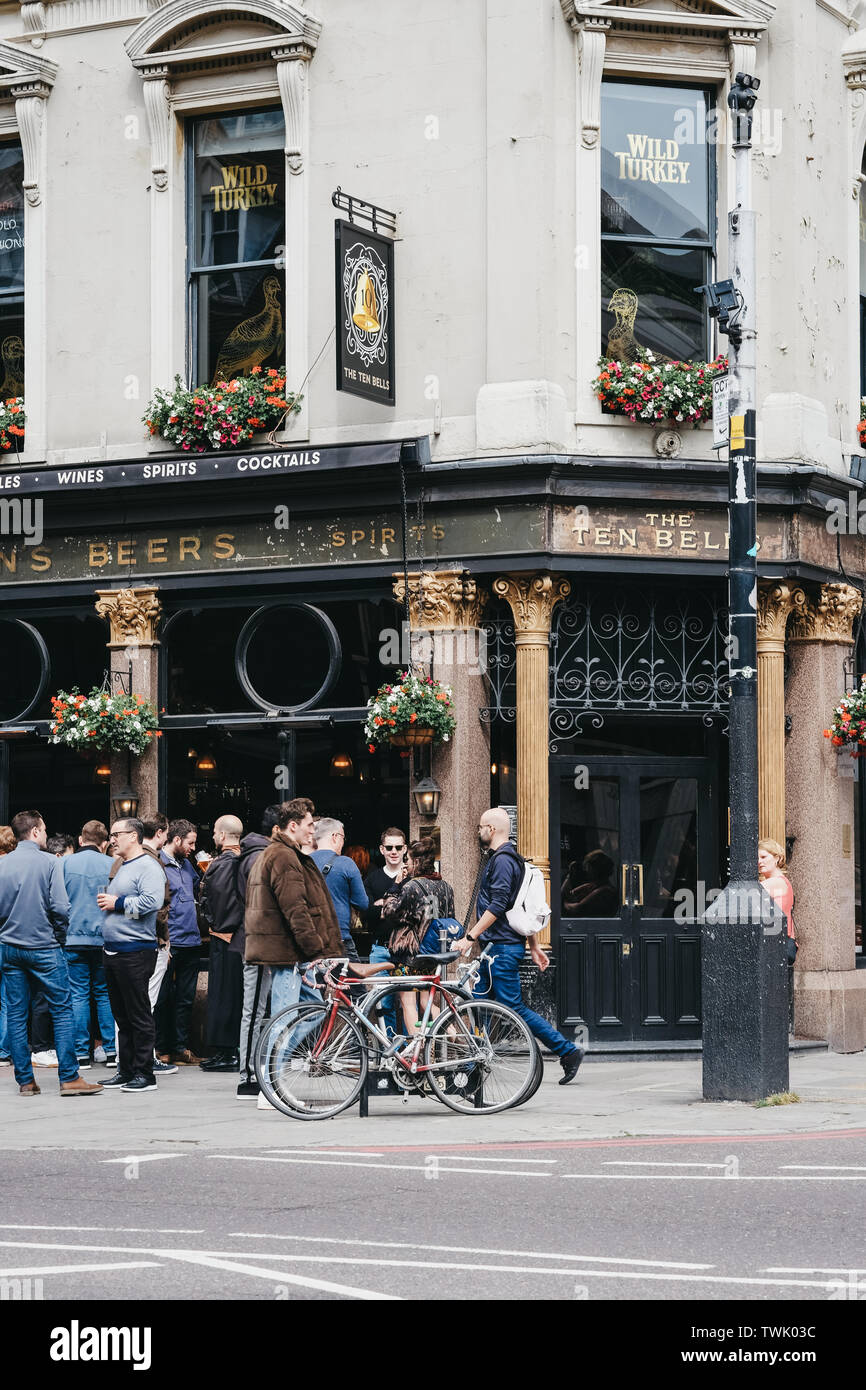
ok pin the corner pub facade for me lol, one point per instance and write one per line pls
(570, 565)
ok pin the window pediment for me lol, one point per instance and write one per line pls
(23, 73)
(682, 15)
(188, 36)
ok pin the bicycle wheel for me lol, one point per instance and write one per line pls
(313, 1062)
(537, 1078)
(482, 1057)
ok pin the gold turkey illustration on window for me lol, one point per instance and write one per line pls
(622, 346)
(12, 357)
(253, 340)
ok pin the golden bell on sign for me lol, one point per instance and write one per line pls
(365, 315)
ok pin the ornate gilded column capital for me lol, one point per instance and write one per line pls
(827, 615)
(532, 599)
(133, 615)
(442, 599)
(776, 601)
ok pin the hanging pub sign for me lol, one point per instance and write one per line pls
(365, 313)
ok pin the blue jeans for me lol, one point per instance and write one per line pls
(389, 1008)
(48, 967)
(505, 988)
(287, 989)
(86, 972)
(4, 1040)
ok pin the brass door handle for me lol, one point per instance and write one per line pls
(625, 902)
(639, 899)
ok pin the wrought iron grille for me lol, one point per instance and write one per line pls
(620, 650)
(617, 649)
(501, 671)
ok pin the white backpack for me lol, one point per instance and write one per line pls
(530, 913)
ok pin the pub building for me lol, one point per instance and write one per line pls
(166, 180)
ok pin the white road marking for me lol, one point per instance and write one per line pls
(228, 1260)
(141, 1158)
(123, 1230)
(813, 1269)
(384, 1167)
(467, 1250)
(329, 1153)
(827, 1167)
(27, 1271)
(651, 1163)
(710, 1177)
(279, 1276)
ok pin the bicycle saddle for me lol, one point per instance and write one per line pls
(361, 971)
(441, 959)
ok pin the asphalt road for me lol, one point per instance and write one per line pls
(719, 1218)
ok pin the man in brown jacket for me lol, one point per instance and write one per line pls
(290, 917)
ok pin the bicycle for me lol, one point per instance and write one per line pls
(476, 1055)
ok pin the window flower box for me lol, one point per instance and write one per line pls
(222, 416)
(652, 392)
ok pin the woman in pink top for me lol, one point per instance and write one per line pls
(771, 862)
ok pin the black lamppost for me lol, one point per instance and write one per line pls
(743, 960)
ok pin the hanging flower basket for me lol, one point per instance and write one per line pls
(848, 729)
(861, 423)
(415, 737)
(120, 723)
(651, 392)
(411, 711)
(221, 416)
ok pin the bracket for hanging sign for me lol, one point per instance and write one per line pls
(379, 218)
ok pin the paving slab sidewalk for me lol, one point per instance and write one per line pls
(617, 1099)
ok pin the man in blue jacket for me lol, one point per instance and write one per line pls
(497, 893)
(177, 993)
(342, 876)
(34, 913)
(83, 874)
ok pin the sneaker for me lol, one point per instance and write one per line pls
(140, 1083)
(114, 1083)
(570, 1063)
(84, 1064)
(248, 1090)
(99, 1055)
(5, 1061)
(164, 1068)
(44, 1059)
(111, 1061)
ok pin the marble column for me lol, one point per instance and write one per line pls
(775, 603)
(446, 639)
(830, 993)
(532, 599)
(133, 615)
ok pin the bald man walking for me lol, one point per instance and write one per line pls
(497, 893)
(221, 905)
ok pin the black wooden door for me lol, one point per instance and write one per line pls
(632, 856)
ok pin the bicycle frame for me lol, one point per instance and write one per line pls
(396, 1048)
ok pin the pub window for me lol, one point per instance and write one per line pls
(236, 239)
(11, 271)
(657, 219)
